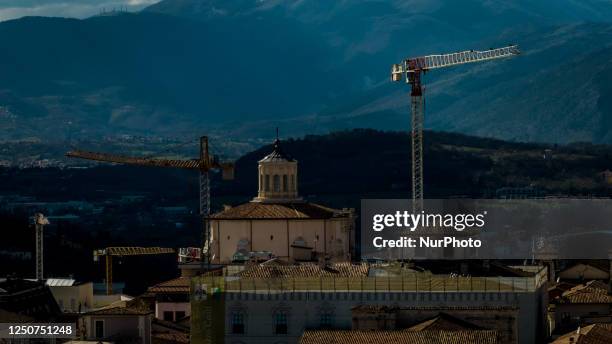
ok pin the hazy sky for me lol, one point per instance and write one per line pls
(11, 9)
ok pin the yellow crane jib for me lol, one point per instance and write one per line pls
(204, 164)
(120, 251)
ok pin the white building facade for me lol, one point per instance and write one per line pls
(279, 223)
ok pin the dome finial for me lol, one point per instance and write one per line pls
(277, 141)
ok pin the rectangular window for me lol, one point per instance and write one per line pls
(168, 316)
(238, 323)
(281, 323)
(326, 320)
(99, 328)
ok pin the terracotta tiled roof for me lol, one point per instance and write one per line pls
(397, 337)
(6, 316)
(178, 285)
(592, 334)
(166, 332)
(304, 270)
(444, 322)
(120, 311)
(603, 265)
(170, 338)
(261, 210)
(591, 292)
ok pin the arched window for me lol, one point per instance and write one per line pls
(238, 322)
(267, 182)
(285, 183)
(277, 186)
(293, 182)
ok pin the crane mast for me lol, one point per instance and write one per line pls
(411, 70)
(205, 201)
(204, 164)
(40, 221)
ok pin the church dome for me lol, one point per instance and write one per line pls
(277, 155)
(277, 177)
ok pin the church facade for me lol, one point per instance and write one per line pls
(280, 224)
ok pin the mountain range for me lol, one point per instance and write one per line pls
(242, 67)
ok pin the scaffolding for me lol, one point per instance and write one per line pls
(410, 282)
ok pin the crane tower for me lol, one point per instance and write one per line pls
(40, 221)
(411, 70)
(204, 164)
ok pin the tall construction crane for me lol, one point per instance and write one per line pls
(204, 165)
(109, 252)
(412, 70)
(39, 221)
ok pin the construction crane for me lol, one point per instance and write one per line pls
(411, 70)
(204, 165)
(39, 221)
(109, 252)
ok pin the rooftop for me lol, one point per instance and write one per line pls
(7, 316)
(277, 155)
(177, 285)
(14, 285)
(290, 210)
(120, 311)
(591, 292)
(279, 277)
(471, 267)
(28, 298)
(397, 337)
(602, 265)
(62, 282)
(169, 332)
(444, 322)
(592, 334)
(280, 269)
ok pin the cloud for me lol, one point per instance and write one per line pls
(12, 9)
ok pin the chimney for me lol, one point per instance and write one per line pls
(321, 262)
(464, 269)
(324, 261)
